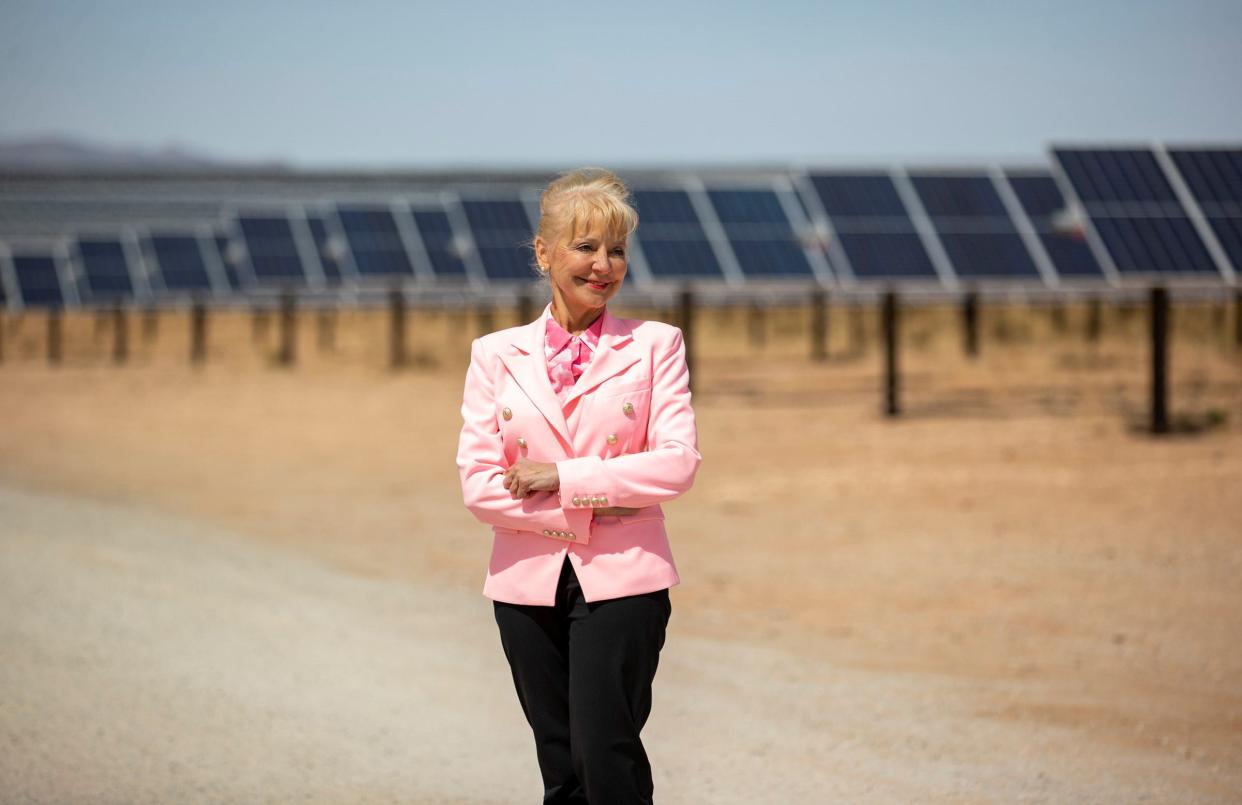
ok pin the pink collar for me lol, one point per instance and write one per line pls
(557, 336)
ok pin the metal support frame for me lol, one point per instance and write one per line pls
(925, 228)
(1026, 229)
(842, 269)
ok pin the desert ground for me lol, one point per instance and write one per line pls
(241, 582)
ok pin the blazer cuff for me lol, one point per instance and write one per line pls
(577, 527)
(584, 484)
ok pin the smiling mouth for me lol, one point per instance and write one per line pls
(599, 286)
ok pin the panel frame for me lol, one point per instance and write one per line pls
(1198, 219)
(138, 263)
(837, 253)
(924, 226)
(434, 203)
(216, 276)
(842, 269)
(211, 259)
(1064, 281)
(1026, 229)
(1095, 239)
(224, 227)
(730, 267)
(476, 274)
(1045, 275)
(304, 240)
(412, 241)
(8, 279)
(524, 196)
(787, 194)
(782, 188)
(390, 205)
(730, 272)
(326, 209)
(143, 235)
(135, 266)
(251, 284)
(59, 254)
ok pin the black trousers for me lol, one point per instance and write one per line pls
(583, 673)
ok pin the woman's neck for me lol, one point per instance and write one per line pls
(574, 321)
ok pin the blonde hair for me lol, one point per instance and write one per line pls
(579, 199)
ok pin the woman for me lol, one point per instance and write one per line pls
(577, 427)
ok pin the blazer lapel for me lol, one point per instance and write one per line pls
(526, 362)
(611, 356)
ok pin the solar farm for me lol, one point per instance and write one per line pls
(1092, 218)
(232, 402)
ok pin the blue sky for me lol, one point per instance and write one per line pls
(377, 84)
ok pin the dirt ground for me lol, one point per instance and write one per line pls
(1031, 599)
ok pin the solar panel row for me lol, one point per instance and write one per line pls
(1103, 214)
(1133, 209)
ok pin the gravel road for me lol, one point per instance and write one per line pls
(147, 658)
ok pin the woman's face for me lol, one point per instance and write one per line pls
(586, 270)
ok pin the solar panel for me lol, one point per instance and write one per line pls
(1228, 231)
(375, 241)
(272, 250)
(230, 267)
(873, 226)
(1063, 240)
(1214, 178)
(1135, 211)
(862, 195)
(763, 239)
(105, 270)
(974, 227)
(1117, 177)
(1161, 245)
(323, 245)
(38, 281)
(671, 236)
(180, 261)
(968, 198)
(501, 230)
(1214, 175)
(440, 242)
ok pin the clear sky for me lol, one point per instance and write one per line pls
(373, 84)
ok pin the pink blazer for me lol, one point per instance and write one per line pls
(625, 436)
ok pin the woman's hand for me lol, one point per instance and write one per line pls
(527, 476)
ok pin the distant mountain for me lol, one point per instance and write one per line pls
(60, 153)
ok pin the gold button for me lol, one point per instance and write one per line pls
(572, 535)
(628, 408)
(604, 500)
(612, 438)
(576, 501)
(547, 532)
(507, 413)
(562, 534)
(595, 501)
(521, 442)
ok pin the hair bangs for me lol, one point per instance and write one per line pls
(585, 211)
